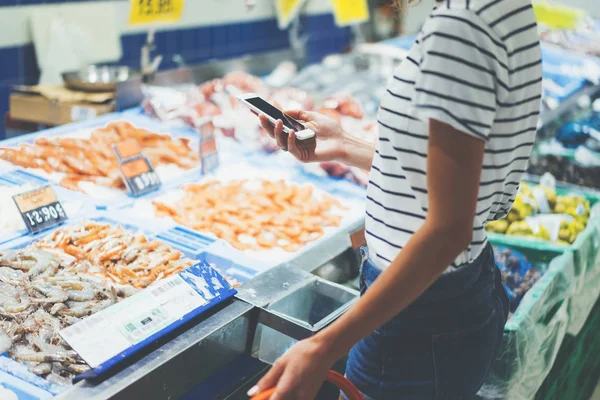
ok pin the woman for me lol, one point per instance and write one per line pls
(456, 129)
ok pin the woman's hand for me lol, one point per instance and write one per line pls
(298, 374)
(329, 137)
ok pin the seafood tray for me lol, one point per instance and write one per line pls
(82, 269)
(246, 224)
(17, 181)
(90, 165)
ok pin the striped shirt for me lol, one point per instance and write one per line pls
(475, 65)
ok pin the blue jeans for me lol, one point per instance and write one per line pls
(443, 345)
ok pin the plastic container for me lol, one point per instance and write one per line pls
(23, 390)
(314, 254)
(534, 333)
(575, 373)
(103, 198)
(190, 243)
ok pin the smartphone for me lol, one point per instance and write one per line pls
(261, 106)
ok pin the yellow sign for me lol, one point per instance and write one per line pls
(349, 12)
(149, 11)
(556, 16)
(287, 10)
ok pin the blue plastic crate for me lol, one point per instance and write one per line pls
(26, 389)
(190, 243)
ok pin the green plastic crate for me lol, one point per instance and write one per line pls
(520, 242)
(577, 367)
(533, 335)
(585, 249)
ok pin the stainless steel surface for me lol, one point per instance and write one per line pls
(315, 304)
(298, 314)
(327, 249)
(272, 284)
(147, 66)
(180, 364)
(98, 78)
(129, 93)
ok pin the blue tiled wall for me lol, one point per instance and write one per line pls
(18, 64)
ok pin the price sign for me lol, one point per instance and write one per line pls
(149, 11)
(209, 155)
(40, 209)
(127, 149)
(349, 12)
(139, 176)
(287, 10)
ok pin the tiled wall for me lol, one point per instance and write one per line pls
(195, 44)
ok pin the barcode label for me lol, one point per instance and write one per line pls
(165, 287)
(107, 334)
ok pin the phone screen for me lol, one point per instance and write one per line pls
(276, 113)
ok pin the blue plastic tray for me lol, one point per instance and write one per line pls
(16, 177)
(190, 243)
(140, 121)
(23, 390)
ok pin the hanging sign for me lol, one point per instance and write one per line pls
(287, 11)
(150, 11)
(349, 12)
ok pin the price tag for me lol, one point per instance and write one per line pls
(149, 11)
(287, 10)
(127, 149)
(349, 12)
(139, 176)
(358, 239)
(209, 154)
(40, 209)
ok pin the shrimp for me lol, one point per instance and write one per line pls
(5, 341)
(41, 368)
(44, 357)
(53, 294)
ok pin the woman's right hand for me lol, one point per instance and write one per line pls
(329, 137)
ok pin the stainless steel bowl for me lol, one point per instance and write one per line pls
(98, 78)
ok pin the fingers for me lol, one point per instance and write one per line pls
(286, 386)
(280, 136)
(301, 152)
(299, 115)
(269, 380)
(267, 125)
(293, 147)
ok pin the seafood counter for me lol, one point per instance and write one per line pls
(245, 218)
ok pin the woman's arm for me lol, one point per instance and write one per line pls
(357, 152)
(454, 165)
(332, 142)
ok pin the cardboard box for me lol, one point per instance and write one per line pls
(57, 105)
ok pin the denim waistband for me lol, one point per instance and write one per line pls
(447, 286)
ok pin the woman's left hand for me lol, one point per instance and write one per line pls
(298, 374)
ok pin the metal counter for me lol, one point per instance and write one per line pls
(270, 313)
(176, 366)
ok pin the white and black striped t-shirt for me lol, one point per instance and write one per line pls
(476, 65)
